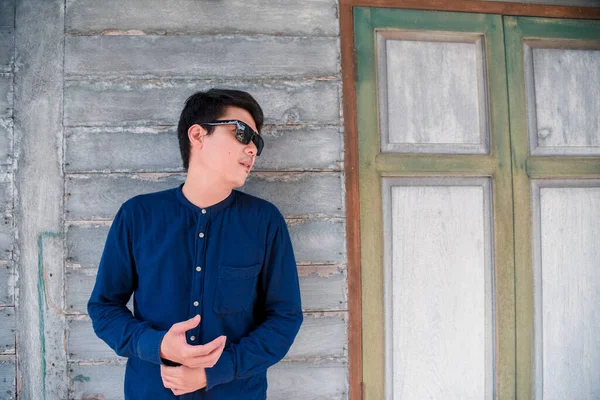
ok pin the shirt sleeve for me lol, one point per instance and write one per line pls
(269, 343)
(113, 322)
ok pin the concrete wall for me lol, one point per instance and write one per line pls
(7, 235)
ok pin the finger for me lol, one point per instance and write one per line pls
(207, 348)
(170, 372)
(207, 361)
(168, 384)
(182, 327)
(172, 383)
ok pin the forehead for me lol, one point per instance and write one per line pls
(241, 114)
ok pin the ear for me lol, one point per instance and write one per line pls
(196, 135)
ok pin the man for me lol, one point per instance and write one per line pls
(217, 299)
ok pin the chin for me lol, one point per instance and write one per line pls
(238, 183)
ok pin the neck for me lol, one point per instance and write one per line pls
(202, 191)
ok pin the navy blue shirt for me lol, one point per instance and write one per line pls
(232, 263)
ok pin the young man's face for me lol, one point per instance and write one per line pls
(227, 160)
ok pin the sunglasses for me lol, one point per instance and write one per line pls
(243, 133)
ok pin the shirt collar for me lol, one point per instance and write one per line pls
(215, 207)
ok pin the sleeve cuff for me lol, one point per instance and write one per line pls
(222, 372)
(148, 347)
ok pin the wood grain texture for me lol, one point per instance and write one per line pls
(160, 102)
(352, 201)
(155, 149)
(567, 282)
(100, 196)
(306, 380)
(320, 193)
(374, 165)
(324, 292)
(563, 99)
(439, 106)
(526, 167)
(438, 290)
(201, 56)
(276, 17)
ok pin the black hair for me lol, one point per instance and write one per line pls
(208, 106)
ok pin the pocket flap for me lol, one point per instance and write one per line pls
(238, 273)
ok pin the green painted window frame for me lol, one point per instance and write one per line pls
(527, 168)
(374, 166)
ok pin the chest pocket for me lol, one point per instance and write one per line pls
(236, 289)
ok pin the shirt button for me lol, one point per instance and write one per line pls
(192, 338)
(203, 211)
(196, 304)
(201, 234)
(198, 269)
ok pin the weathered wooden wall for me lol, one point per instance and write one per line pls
(123, 94)
(90, 93)
(97, 101)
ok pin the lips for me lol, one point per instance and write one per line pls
(246, 164)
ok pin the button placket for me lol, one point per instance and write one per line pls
(198, 277)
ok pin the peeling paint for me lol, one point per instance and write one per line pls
(80, 378)
(116, 32)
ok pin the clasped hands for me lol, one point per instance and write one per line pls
(191, 375)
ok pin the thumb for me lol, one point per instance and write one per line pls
(182, 327)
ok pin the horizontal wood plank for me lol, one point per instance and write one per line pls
(154, 102)
(289, 17)
(201, 56)
(320, 193)
(156, 149)
(322, 380)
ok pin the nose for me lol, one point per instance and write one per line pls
(251, 149)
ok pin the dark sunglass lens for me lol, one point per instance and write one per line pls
(258, 141)
(241, 135)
